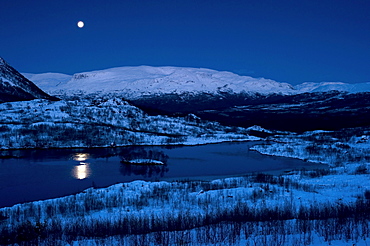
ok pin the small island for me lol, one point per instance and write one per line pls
(142, 162)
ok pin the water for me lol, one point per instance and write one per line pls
(43, 174)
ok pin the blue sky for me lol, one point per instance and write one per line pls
(292, 41)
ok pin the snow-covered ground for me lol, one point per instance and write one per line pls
(292, 209)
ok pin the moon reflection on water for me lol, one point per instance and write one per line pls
(82, 170)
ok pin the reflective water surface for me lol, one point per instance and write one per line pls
(29, 175)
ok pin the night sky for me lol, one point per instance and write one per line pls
(292, 41)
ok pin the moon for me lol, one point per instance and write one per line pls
(80, 24)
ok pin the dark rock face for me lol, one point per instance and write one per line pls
(15, 87)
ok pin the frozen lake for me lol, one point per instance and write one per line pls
(43, 174)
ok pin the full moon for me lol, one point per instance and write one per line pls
(80, 24)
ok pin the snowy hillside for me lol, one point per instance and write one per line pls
(134, 82)
(102, 122)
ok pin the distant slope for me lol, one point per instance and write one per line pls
(15, 87)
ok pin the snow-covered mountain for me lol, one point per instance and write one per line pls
(134, 82)
(15, 87)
